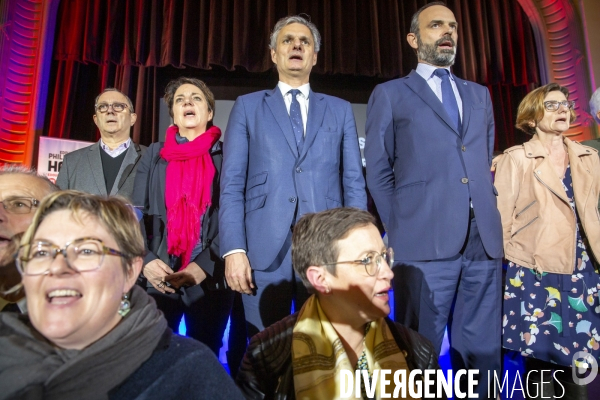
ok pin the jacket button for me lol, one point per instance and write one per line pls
(292, 199)
(463, 148)
(529, 154)
(298, 170)
(465, 180)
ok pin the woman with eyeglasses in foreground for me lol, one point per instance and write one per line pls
(343, 326)
(90, 332)
(548, 196)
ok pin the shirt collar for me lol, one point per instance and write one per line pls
(426, 70)
(123, 146)
(285, 88)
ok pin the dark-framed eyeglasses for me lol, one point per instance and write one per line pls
(117, 107)
(554, 105)
(372, 262)
(19, 205)
(82, 255)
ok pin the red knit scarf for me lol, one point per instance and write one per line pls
(190, 173)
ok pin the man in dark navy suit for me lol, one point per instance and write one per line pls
(430, 138)
(287, 152)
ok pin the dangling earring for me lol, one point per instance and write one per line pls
(125, 305)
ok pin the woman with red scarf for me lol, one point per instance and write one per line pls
(177, 189)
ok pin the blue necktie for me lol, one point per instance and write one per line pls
(296, 118)
(448, 98)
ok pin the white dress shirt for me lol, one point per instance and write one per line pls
(302, 98)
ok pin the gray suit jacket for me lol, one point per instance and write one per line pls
(82, 170)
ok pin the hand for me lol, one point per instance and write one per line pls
(238, 273)
(190, 276)
(156, 271)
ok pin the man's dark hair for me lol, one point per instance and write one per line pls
(315, 238)
(414, 22)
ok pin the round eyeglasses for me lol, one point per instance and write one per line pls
(19, 205)
(553, 105)
(84, 254)
(117, 107)
(372, 261)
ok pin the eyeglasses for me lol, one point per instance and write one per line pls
(117, 107)
(19, 205)
(553, 105)
(82, 255)
(372, 262)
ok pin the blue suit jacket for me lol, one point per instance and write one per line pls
(421, 171)
(264, 177)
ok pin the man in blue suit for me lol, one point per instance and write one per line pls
(287, 152)
(429, 144)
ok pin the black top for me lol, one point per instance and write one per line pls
(111, 167)
(179, 368)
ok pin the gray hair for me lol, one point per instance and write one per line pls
(414, 22)
(295, 19)
(112, 89)
(595, 105)
(10, 169)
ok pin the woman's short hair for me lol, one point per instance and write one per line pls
(113, 213)
(532, 109)
(176, 83)
(315, 238)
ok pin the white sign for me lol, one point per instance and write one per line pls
(51, 153)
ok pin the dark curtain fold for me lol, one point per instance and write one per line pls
(127, 44)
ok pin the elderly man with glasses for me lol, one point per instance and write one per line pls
(107, 167)
(21, 191)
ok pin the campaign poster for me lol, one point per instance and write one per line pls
(51, 153)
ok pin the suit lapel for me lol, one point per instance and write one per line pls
(418, 85)
(275, 102)
(543, 171)
(162, 184)
(96, 167)
(461, 85)
(127, 166)
(314, 120)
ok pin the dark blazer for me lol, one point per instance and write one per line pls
(149, 197)
(422, 172)
(265, 179)
(82, 170)
(266, 371)
(179, 368)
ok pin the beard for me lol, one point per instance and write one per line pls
(431, 55)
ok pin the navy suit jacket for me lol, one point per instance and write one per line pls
(264, 178)
(422, 172)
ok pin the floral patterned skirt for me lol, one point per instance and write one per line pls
(553, 316)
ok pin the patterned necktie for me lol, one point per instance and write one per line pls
(448, 98)
(296, 118)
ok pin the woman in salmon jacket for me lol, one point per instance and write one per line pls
(548, 196)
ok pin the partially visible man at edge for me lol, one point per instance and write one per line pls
(595, 111)
(107, 167)
(21, 190)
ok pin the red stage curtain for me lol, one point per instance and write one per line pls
(123, 43)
